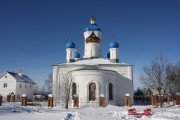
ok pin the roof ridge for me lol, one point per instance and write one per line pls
(15, 75)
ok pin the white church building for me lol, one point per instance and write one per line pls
(94, 76)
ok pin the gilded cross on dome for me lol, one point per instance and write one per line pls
(92, 20)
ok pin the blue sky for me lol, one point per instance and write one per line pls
(34, 33)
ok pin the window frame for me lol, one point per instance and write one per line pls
(110, 87)
(92, 93)
(74, 89)
(5, 85)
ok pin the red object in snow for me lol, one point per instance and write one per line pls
(147, 112)
(132, 111)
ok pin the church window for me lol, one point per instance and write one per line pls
(92, 92)
(5, 85)
(110, 91)
(26, 86)
(73, 89)
(72, 55)
(20, 85)
(93, 53)
(18, 96)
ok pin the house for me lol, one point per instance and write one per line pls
(16, 84)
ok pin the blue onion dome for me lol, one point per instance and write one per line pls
(108, 55)
(92, 26)
(77, 55)
(70, 44)
(114, 44)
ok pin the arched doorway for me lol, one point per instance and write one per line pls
(110, 91)
(92, 92)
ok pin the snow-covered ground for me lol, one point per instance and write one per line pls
(13, 111)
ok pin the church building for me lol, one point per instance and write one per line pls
(94, 77)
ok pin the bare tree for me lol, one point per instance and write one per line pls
(65, 89)
(36, 88)
(48, 83)
(155, 76)
(174, 77)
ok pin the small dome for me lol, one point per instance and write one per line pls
(92, 38)
(77, 55)
(92, 26)
(70, 44)
(114, 44)
(108, 55)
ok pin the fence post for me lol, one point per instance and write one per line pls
(101, 100)
(76, 101)
(169, 98)
(50, 101)
(24, 100)
(127, 100)
(154, 100)
(178, 99)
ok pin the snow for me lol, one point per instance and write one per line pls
(24, 95)
(101, 95)
(94, 61)
(13, 111)
(50, 95)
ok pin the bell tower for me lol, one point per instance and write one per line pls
(92, 36)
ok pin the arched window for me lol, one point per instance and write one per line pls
(93, 52)
(73, 89)
(110, 91)
(92, 92)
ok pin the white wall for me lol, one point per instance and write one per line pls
(11, 86)
(92, 50)
(122, 82)
(100, 78)
(58, 72)
(29, 90)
